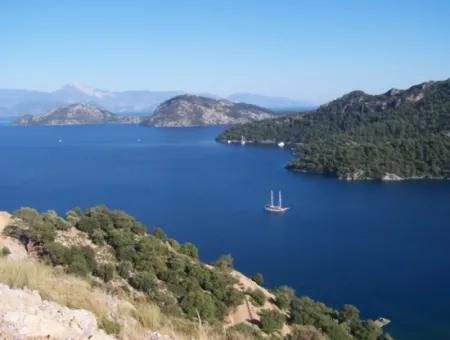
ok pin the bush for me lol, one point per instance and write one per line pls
(258, 278)
(199, 302)
(124, 269)
(105, 271)
(159, 234)
(78, 266)
(109, 326)
(56, 253)
(5, 252)
(243, 329)
(143, 281)
(348, 313)
(271, 321)
(258, 296)
(282, 301)
(284, 296)
(190, 250)
(225, 262)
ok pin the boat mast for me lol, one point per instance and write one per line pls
(279, 198)
(271, 198)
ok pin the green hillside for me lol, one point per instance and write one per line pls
(361, 136)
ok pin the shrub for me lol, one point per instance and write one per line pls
(105, 271)
(271, 321)
(249, 332)
(5, 252)
(284, 296)
(28, 215)
(258, 296)
(124, 269)
(159, 234)
(281, 301)
(225, 262)
(258, 278)
(190, 250)
(109, 326)
(197, 303)
(142, 281)
(56, 253)
(348, 313)
(79, 266)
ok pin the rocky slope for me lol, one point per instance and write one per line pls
(76, 114)
(24, 314)
(190, 110)
(133, 285)
(396, 135)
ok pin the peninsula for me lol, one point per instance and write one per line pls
(401, 134)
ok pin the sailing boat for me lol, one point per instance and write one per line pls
(275, 208)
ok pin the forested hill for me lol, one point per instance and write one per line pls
(401, 133)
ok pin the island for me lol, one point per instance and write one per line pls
(191, 110)
(98, 274)
(401, 134)
(76, 114)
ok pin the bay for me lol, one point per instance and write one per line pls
(383, 247)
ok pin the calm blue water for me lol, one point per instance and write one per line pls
(382, 247)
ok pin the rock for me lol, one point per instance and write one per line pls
(391, 177)
(17, 250)
(24, 315)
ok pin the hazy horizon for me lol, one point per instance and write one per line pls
(303, 50)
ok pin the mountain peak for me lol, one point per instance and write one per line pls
(80, 88)
(192, 110)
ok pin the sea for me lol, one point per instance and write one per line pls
(384, 247)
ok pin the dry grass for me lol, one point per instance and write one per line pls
(52, 285)
(75, 292)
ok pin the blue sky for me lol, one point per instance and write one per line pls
(308, 50)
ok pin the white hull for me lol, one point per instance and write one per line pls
(275, 209)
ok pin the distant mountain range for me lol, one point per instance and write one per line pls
(190, 110)
(179, 111)
(20, 102)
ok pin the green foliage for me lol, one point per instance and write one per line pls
(109, 326)
(105, 271)
(190, 250)
(258, 278)
(5, 251)
(225, 262)
(249, 332)
(258, 296)
(348, 313)
(79, 266)
(367, 136)
(170, 275)
(160, 234)
(271, 321)
(124, 269)
(197, 303)
(143, 281)
(282, 299)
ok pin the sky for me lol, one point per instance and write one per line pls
(312, 51)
